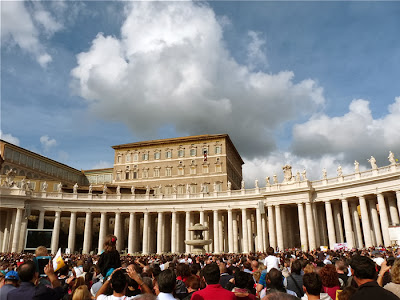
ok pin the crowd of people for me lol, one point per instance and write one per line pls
(291, 274)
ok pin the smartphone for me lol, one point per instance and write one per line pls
(41, 262)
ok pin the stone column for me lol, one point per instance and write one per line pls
(330, 224)
(357, 226)
(146, 233)
(117, 230)
(17, 229)
(250, 232)
(235, 233)
(302, 227)
(398, 200)
(384, 219)
(221, 233)
(279, 231)
(173, 232)
(264, 230)
(6, 236)
(375, 222)
(271, 227)
(41, 219)
(365, 222)
(323, 225)
(216, 233)
(87, 236)
(160, 226)
(207, 232)
(394, 215)
(347, 223)
(316, 224)
(72, 232)
(132, 233)
(201, 217)
(230, 231)
(310, 226)
(245, 240)
(338, 223)
(259, 230)
(56, 232)
(102, 231)
(24, 226)
(187, 232)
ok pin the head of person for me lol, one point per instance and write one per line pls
(41, 251)
(309, 268)
(395, 272)
(82, 293)
(275, 280)
(183, 270)
(11, 278)
(363, 267)
(347, 293)
(270, 251)
(340, 266)
(119, 281)
(211, 274)
(27, 271)
(329, 276)
(166, 281)
(110, 243)
(296, 267)
(242, 279)
(279, 296)
(192, 283)
(223, 268)
(312, 284)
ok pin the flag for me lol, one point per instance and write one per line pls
(58, 261)
(205, 155)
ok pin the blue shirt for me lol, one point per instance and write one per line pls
(28, 291)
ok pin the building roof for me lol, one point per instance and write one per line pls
(177, 140)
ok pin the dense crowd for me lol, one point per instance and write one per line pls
(291, 274)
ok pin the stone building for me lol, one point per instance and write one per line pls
(355, 208)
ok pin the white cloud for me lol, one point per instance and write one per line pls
(102, 165)
(23, 24)
(171, 67)
(256, 58)
(47, 142)
(356, 134)
(9, 138)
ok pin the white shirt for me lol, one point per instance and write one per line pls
(271, 262)
(322, 296)
(165, 296)
(112, 297)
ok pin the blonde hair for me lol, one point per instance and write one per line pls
(41, 251)
(309, 268)
(110, 244)
(395, 272)
(82, 293)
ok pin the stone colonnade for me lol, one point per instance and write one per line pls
(361, 220)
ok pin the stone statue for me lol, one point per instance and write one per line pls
(356, 166)
(242, 185)
(256, 183)
(229, 186)
(118, 190)
(287, 171)
(187, 188)
(202, 188)
(10, 175)
(45, 186)
(104, 189)
(324, 174)
(372, 161)
(174, 189)
(267, 183)
(275, 179)
(90, 188)
(304, 174)
(75, 188)
(339, 171)
(160, 189)
(59, 187)
(133, 190)
(215, 187)
(391, 158)
(298, 176)
(147, 190)
(24, 186)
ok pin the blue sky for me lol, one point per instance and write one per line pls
(313, 84)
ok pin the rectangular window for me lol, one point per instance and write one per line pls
(135, 175)
(127, 175)
(157, 155)
(145, 173)
(119, 159)
(181, 189)
(168, 154)
(181, 153)
(205, 169)
(168, 172)
(181, 171)
(193, 152)
(168, 190)
(118, 176)
(128, 158)
(156, 172)
(218, 150)
(218, 187)
(145, 156)
(193, 189)
(193, 170)
(135, 157)
(55, 186)
(218, 168)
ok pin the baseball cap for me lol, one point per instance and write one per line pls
(12, 275)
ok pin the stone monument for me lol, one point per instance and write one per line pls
(198, 241)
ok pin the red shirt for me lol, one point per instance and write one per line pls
(213, 292)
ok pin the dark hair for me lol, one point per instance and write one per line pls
(27, 271)
(270, 251)
(329, 276)
(110, 244)
(276, 282)
(312, 283)
(364, 267)
(296, 267)
(166, 281)
(242, 279)
(193, 282)
(118, 281)
(211, 273)
(183, 270)
(247, 265)
(347, 293)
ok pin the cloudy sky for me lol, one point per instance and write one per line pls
(311, 84)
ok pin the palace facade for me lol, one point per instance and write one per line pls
(151, 211)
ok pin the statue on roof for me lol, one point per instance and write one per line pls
(75, 188)
(287, 173)
(356, 166)
(391, 158)
(372, 161)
